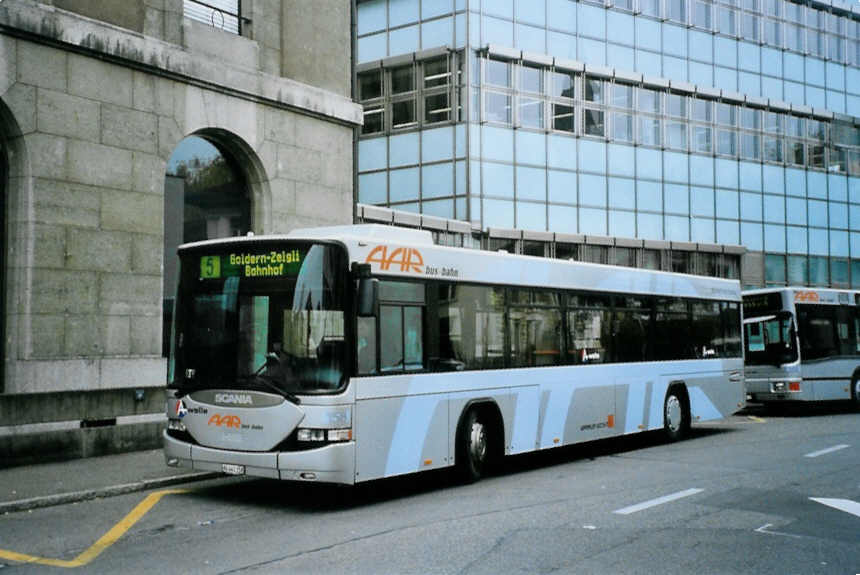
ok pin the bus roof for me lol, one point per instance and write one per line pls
(407, 253)
(802, 294)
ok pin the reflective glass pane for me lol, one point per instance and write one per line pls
(563, 85)
(594, 90)
(677, 105)
(498, 73)
(531, 79)
(531, 112)
(563, 118)
(593, 122)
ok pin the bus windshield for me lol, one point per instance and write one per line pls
(266, 316)
(770, 340)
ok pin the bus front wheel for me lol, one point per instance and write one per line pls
(855, 392)
(676, 413)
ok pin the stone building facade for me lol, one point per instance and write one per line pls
(95, 96)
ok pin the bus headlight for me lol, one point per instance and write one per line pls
(322, 435)
(175, 425)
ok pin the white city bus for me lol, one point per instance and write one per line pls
(355, 353)
(802, 344)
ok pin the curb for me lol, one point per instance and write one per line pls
(111, 491)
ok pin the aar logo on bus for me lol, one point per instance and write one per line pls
(408, 259)
(231, 421)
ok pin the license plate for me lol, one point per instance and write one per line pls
(231, 469)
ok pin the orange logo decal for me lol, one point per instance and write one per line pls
(409, 259)
(227, 420)
(808, 296)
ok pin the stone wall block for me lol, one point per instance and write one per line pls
(147, 173)
(313, 45)
(319, 135)
(47, 333)
(47, 156)
(56, 291)
(270, 61)
(21, 101)
(54, 375)
(8, 63)
(98, 250)
(146, 335)
(116, 335)
(173, 32)
(169, 136)
(323, 204)
(133, 372)
(99, 165)
(146, 253)
(153, 23)
(143, 91)
(64, 204)
(66, 115)
(131, 294)
(129, 129)
(41, 66)
(49, 245)
(163, 97)
(84, 336)
(283, 196)
(98, 80)
(300, 164)
(132, 212)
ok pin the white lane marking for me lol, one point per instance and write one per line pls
(826, 451)
(658, 501)
(845, 505)
(763, 529)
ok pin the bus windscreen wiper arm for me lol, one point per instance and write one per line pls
(269, 382)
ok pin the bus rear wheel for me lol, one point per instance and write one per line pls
(473, 447)
(676, 413)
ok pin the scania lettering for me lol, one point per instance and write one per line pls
(240, 398)
(375, 353)
(802, 344)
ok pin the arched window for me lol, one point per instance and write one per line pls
(4, 189)
(205, 197)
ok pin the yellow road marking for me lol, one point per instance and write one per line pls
(756, 419)
(103, 543)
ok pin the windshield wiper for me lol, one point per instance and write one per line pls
(269, 381)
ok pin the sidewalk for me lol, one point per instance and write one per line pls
(43, 485)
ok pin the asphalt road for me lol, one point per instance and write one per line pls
(737, 497)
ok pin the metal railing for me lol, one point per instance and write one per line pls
(223, 14)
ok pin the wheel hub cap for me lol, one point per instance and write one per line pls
(478, 443)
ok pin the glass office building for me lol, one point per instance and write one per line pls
(732, 122)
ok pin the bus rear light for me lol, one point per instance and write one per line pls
(794, 386)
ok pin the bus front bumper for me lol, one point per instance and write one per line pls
(778, 389)
(333, 463)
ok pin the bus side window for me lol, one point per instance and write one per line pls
(856, 333)
(366, 345)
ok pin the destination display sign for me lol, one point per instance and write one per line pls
(252, 264)
(761, 304)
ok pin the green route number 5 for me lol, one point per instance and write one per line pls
(210, 267)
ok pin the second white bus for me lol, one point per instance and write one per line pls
(355, 353)
(802, 344)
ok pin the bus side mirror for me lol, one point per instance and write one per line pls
(368, 297)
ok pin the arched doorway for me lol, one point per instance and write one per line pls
(206, 196)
